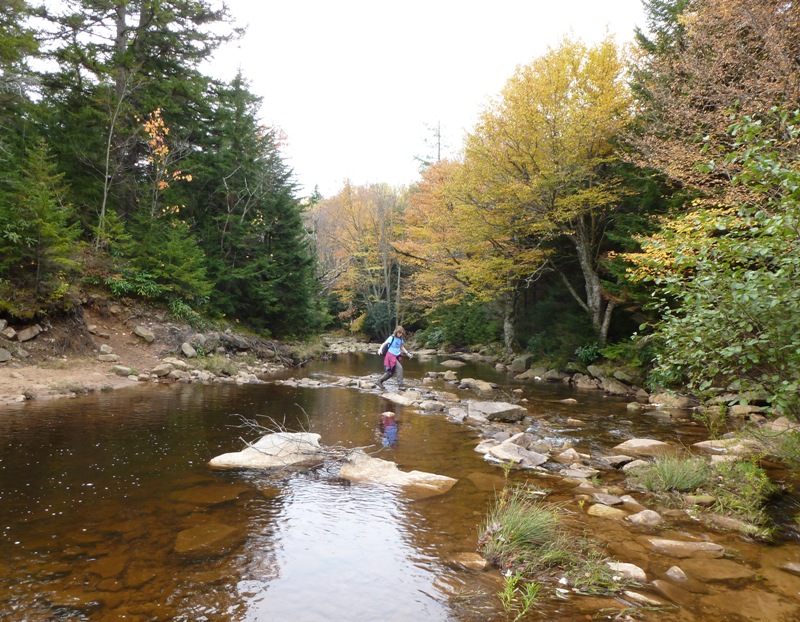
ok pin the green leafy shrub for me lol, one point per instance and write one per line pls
(181, 310)
(635, 353)
(466, 324)
(431, 337)
(137, 283)
(726, 276)
(378, 320)
(588, 353)
(543, 345)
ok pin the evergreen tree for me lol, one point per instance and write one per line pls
(665, 29)
(118, 61)
(37, 238)
(17, 44)
(251, 221)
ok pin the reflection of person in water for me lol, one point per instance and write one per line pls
(388, 429)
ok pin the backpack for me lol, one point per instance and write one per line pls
(385, 347)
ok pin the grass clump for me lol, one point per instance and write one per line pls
(739, 488)
(218, 364)
(524, 537)
(742, 489)
(520, 531)
(672, 474)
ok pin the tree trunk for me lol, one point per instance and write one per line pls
(509, 322)
(595, 303)
(398, 315)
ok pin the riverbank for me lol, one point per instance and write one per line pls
(107, 345)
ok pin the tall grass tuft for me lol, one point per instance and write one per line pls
(742, 488)
(672, 474)
(521, 531)
(523, 536)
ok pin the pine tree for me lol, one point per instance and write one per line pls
(252, 224)
(102, 85)
(37, 237)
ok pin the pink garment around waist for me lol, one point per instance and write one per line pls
(390, 360)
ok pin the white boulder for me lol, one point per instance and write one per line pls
(273, 451)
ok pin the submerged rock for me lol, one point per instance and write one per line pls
(684, 549)
(207, 540)
(210, 495)
(472, 561)
(641, 599)
(452, 363)
(673, 593)
(361, 468)
(717, 570)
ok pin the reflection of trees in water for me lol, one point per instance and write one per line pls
(120, 560)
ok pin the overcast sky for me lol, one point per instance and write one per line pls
(356, 85)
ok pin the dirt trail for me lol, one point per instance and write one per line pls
(49, 373)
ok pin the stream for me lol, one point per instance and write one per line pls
(98, 493)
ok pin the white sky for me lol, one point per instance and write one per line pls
(356, 84)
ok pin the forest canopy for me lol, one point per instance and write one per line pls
(151, 178)
(634, 203)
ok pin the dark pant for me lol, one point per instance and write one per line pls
(391, 371)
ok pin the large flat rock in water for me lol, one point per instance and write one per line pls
(361, 468)
(273, 451)
(497, 411)
(709, 570)
(404, 399)
(647, 447)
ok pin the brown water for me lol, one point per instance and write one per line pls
(95, 493)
